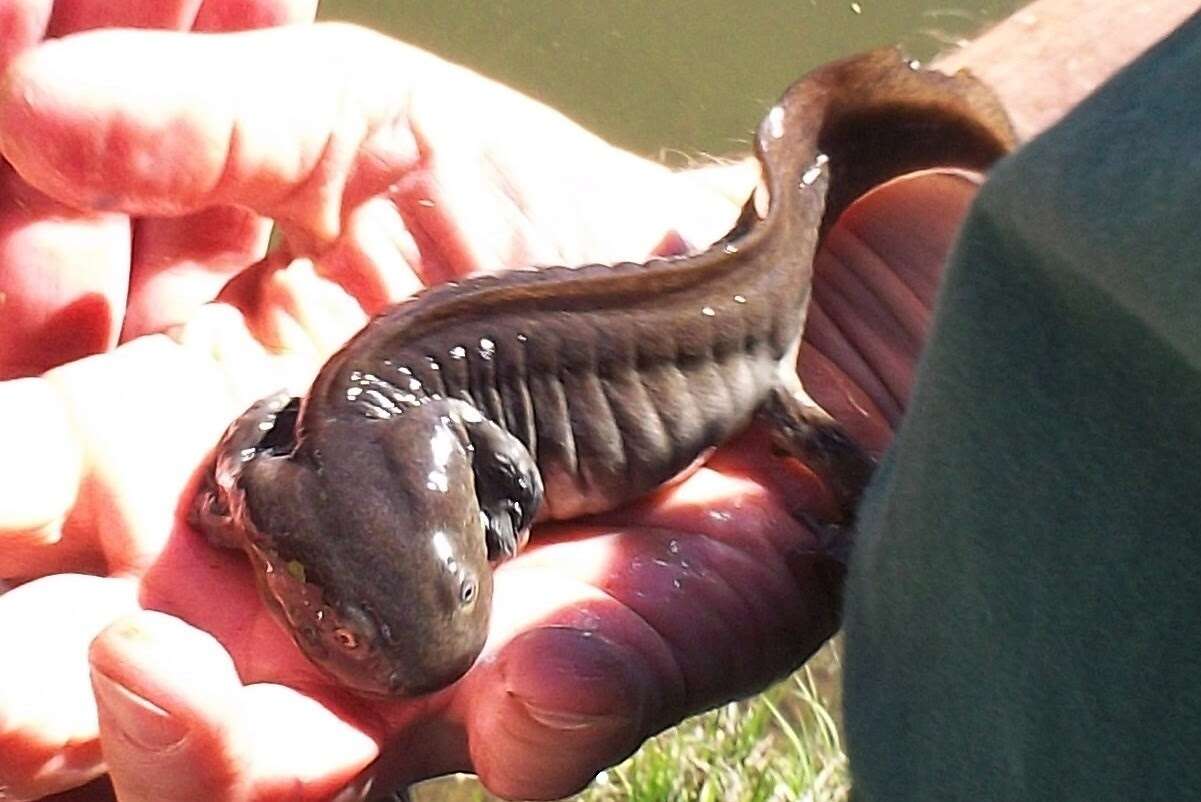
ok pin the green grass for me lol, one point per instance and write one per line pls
(783, 744)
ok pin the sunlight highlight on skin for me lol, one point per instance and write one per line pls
(708, 488)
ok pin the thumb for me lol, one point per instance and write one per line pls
(176, 723)
(555, 706)
(161, 726)
(285, 121)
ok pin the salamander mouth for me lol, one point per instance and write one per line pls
(351, 654)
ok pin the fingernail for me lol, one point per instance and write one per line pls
(569, 681)
(144, 724)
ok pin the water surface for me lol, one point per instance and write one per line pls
(670, 77)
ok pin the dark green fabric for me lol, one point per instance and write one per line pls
(1023, 617)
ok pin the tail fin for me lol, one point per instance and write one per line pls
(871, 118)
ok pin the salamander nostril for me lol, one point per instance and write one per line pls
(346, 638)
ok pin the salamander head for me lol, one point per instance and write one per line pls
(373, 541)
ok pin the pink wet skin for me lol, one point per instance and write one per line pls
(602, 634)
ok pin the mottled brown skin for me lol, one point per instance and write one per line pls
(374, 507)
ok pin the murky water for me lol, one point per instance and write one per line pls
(673, 77)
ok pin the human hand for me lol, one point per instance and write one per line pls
(382, 172)
(592, 648)
(113, 276)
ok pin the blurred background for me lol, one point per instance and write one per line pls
(672, 77)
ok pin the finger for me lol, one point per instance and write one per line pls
(125, 433)
(108, 446)
(378, 261)
(303, 143)
(22, 25)
(73, 16)
(237, 15)
(854, 402)
(182, 263)
(488, 203)
(600, 641)
(63, 280)
(41, 467)
(558, 705)
(177, 724)
(569, 683)
(301, 316)
(145, 414)
(158, 123)
(874, 286)
(48, 730)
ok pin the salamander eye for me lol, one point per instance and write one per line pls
(468, 592)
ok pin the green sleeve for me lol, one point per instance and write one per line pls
(1023, 615)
